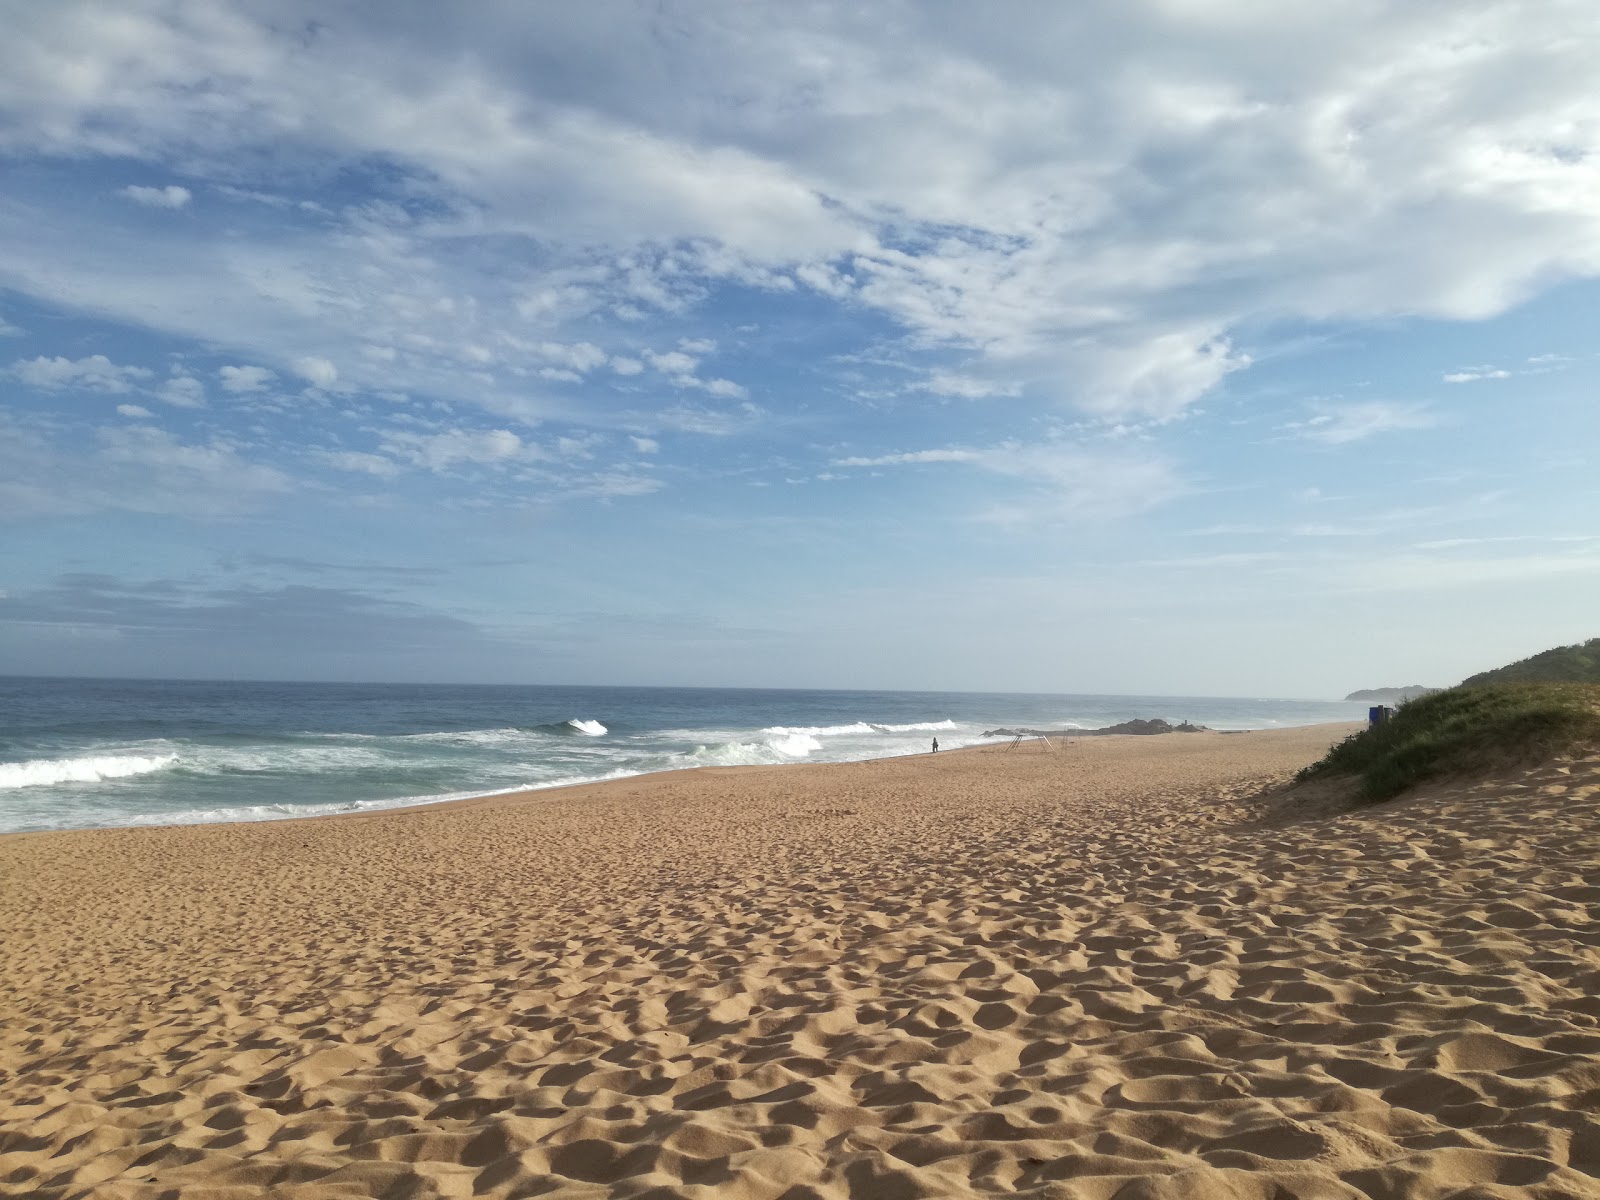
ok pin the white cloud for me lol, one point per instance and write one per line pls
(646, 445)
(358, 462)
(131, 468)
(913, 456)
(457, 447)
(1476, 373)
(673, 362)
(241, 380)
(96, 373)
(1337, 425)
(1068, 482)
(680, 366)
(692, 418)
(134, 411)
(967, 387)
(608, 485)
(579, 357)
(725, 388)
(626, 366)
(319, 371)
(171, 196)
(182, 391)
(1084, 213)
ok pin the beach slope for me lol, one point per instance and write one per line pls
(1126, 967)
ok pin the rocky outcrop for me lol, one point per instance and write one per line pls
(1137, 725)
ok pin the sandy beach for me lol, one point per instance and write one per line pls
(1128, 967)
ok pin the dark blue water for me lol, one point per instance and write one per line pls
(94, 752)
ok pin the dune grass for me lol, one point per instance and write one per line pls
(1463, 730)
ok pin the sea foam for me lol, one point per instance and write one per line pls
(41, 772)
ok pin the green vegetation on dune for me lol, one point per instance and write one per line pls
(1463, 730)
(1564, 664)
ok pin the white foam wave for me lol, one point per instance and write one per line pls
(589, 728)
(509, 736)
(796, 745)
(783, 748)
(42, 772)
(858, 728)
(291, 812)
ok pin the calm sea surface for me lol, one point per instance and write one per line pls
(76, 753)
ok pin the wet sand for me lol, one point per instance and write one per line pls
(1126, 968)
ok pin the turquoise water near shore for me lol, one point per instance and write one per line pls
(78, 753)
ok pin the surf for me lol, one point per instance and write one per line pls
(43, 772)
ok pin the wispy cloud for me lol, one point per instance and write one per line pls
(910, 456)
(1067, 481)
(133, 468)
(1477, 374)
(1338, 424)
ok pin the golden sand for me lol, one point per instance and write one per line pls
(1124, 969)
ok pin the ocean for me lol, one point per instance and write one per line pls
(82, 753)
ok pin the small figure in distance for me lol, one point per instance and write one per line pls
(936, 745)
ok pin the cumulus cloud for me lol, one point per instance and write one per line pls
(134, 411)
(171, 196)
(680, 366)
(96, 373)
(182, 391)
(318, 371)
(673, 362)
(242, 380)
(458, 447)
(579, 357)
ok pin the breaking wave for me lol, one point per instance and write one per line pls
(859, 728)
(782, 748)
(41, 772)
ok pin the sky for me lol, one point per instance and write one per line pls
(1187, 347)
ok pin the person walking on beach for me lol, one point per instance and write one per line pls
(936, 745)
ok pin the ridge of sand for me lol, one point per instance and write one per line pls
(1123, 969)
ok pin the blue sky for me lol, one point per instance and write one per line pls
(1193, 346)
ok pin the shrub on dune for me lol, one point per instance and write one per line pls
(1464, 730)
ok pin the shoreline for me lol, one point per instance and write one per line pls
(406, 804)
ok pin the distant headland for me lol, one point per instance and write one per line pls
(1392, 695)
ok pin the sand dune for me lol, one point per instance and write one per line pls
(1125, 969)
